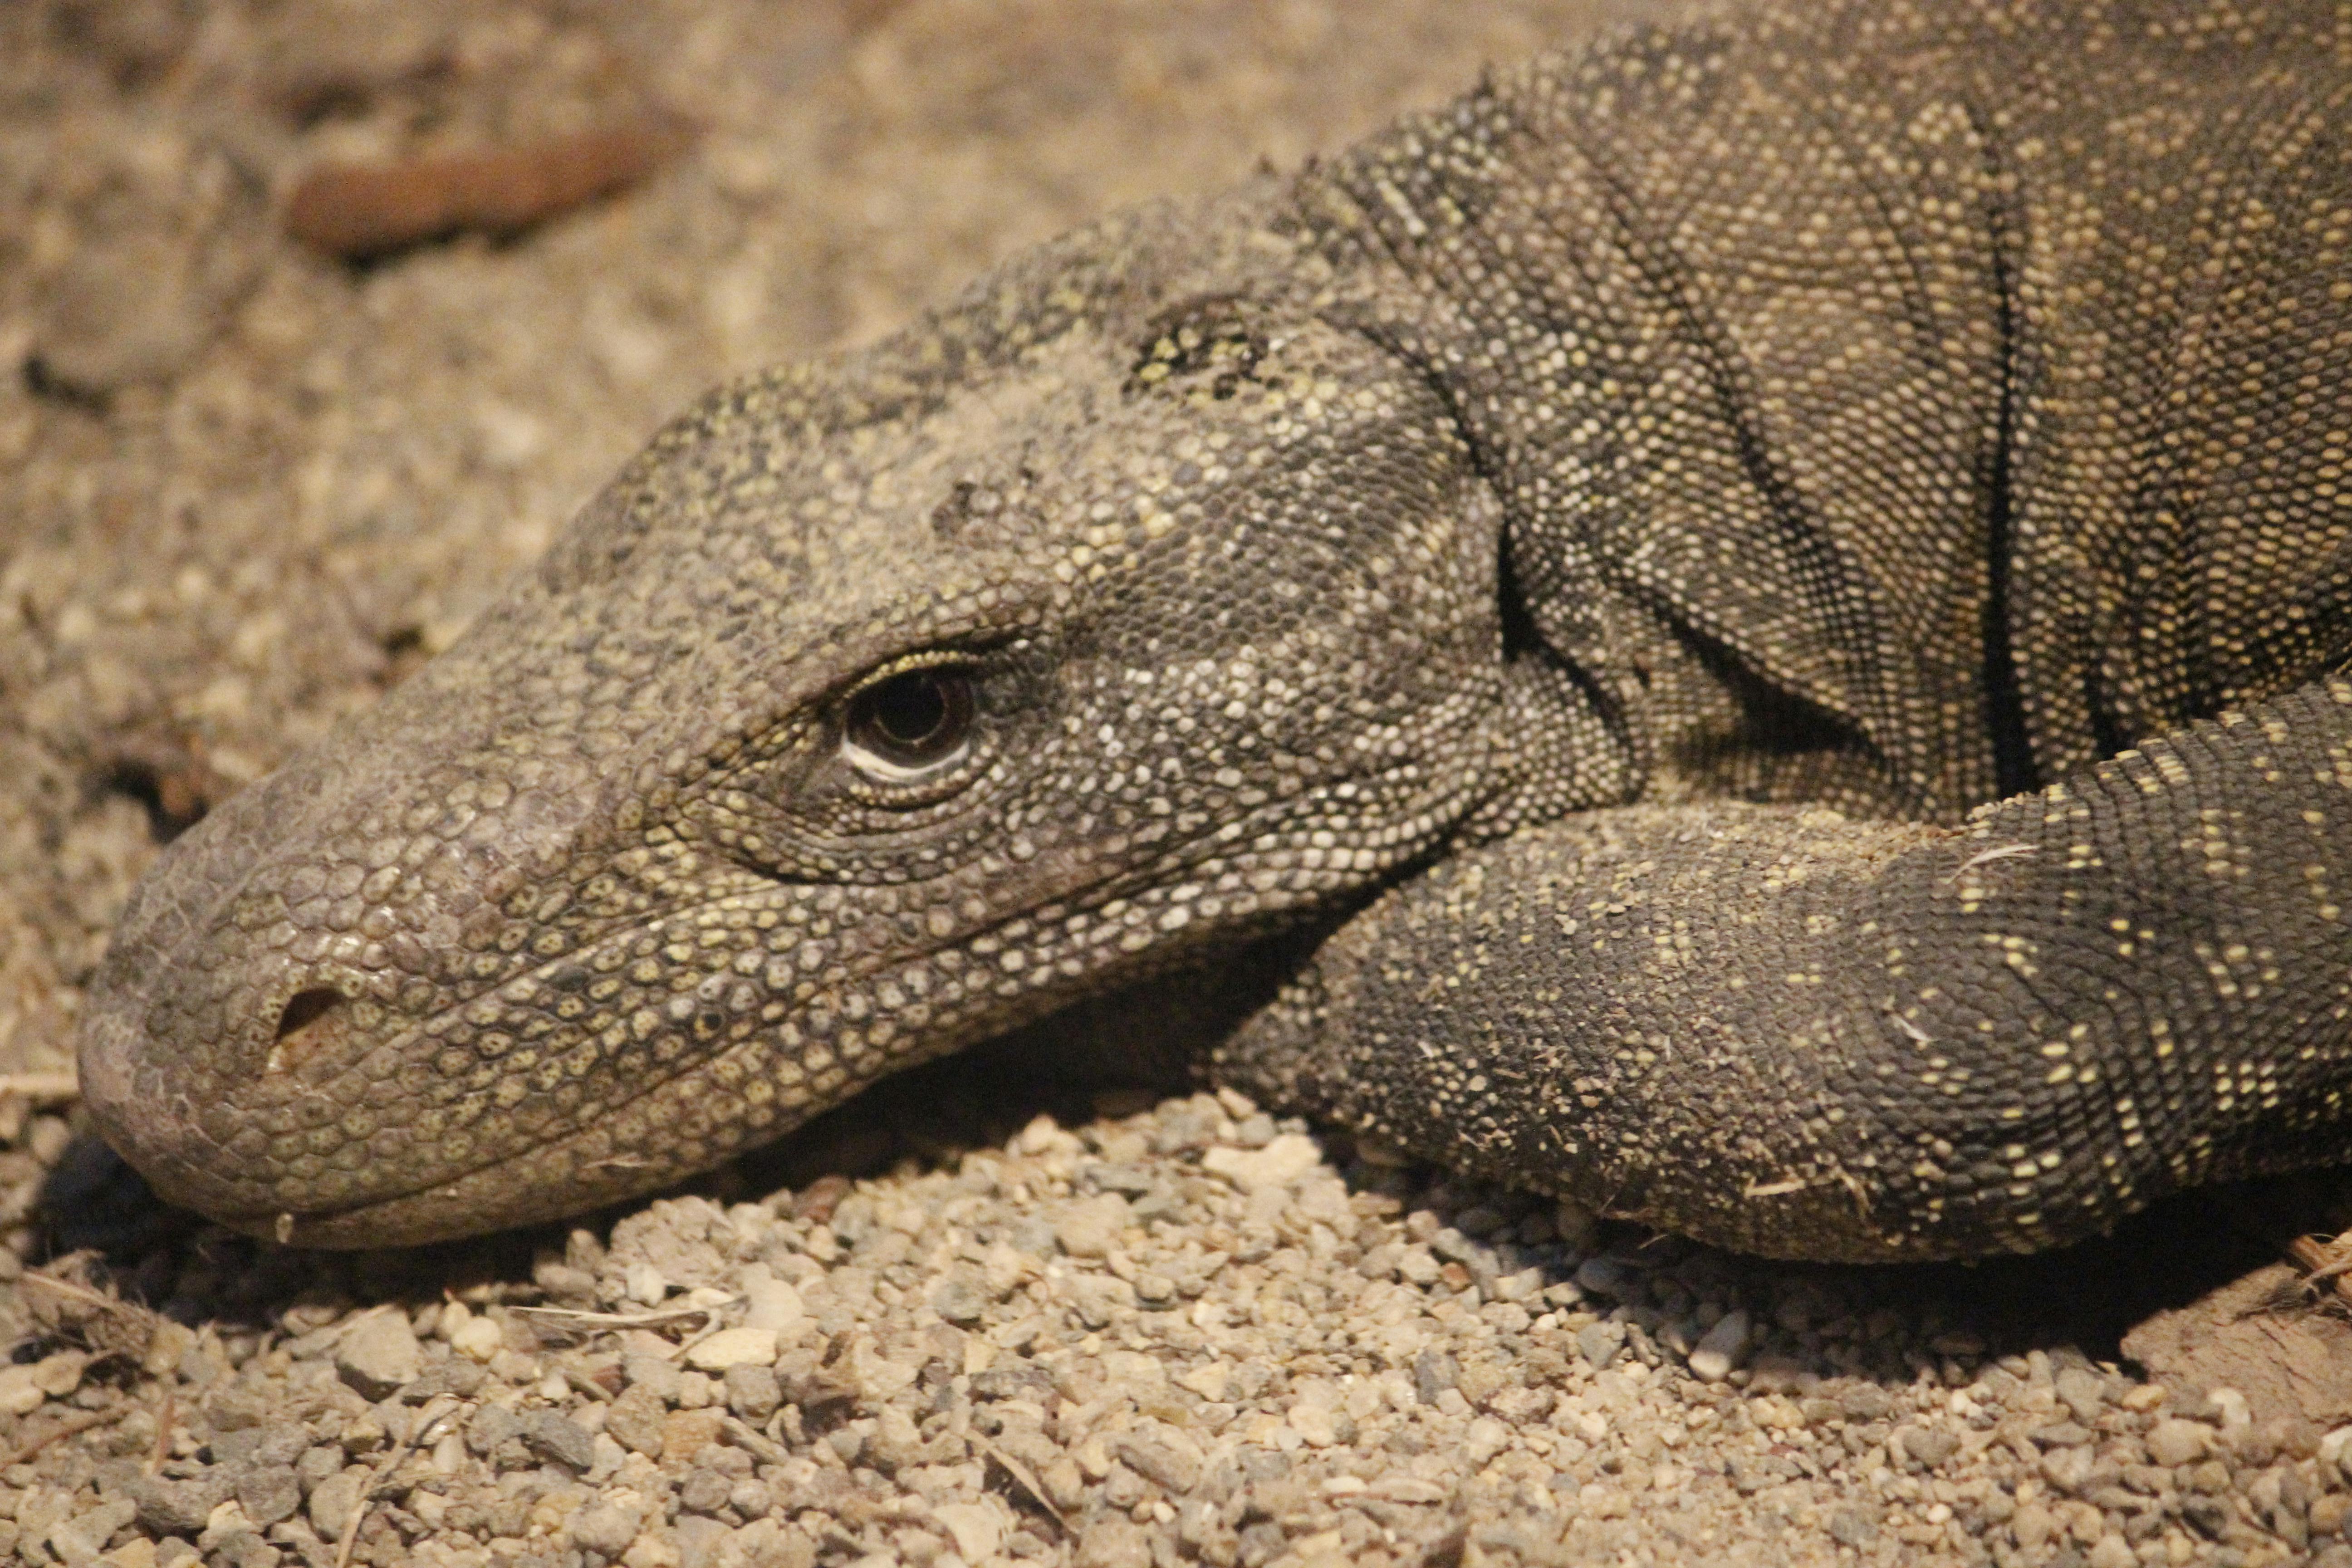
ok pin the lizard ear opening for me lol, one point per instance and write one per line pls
(312, 1020)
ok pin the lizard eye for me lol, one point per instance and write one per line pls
(909, 725)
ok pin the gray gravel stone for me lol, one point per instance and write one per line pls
(605, 1528)
(179, 1507)
(1600, 1344)
(1434, 1372)
(491, 1425)
(704, 1490)
(1854, 1525)
(634, 1420)
(317, 1464)
(753, 1392)
(959, 1299)
(1116, 1543)
(1931, 1445)
(1721, 1348)
(332, 1499)
(2172, 1441)
(1163, 1455)
(1254, 1132)
(1091, 1227)
(269, 1493)
(1417, 1266)
(378, 1356)
(559, 1439)
(2081, 1392)
(1611, 1277)
(78, 1540)
(662, 1379)
(127, 312)
(1865, 1401)
(700, 1540)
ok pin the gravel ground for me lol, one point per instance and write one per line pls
(980, 1318)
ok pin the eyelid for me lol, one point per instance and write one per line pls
(930, 658)
(882, 770)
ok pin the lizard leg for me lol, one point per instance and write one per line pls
(1792, 1034)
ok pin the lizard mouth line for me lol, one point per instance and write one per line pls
(1127, 884)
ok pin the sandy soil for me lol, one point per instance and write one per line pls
(244, 488)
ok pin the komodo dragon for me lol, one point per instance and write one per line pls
(1568, 567)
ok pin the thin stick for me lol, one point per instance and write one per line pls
(164, 1419)
(2328, 1264)
(83, 1293)
(81, 1422)
(48, 1088)
(427, 1419)
(661, 1318)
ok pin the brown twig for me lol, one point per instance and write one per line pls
(356, 212)
(427, 1419)
(166, 1415)
(82, 1422)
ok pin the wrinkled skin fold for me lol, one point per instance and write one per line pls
(1587, 550)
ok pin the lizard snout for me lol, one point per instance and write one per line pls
(273, 1038)
(201, 1086)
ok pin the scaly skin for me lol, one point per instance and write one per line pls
(1585, 548)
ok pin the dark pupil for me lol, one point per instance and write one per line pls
(911, 709)
(914, 719)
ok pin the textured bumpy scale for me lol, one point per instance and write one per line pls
(1580, 557)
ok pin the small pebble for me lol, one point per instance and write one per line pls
(772, 1304)
(604, 1528)
(479, 1340)
(733, 1347)
(1606, 1277)
(1091, 1227)
(19, 1394)
(976, 1528)
(557, 1438)
(268, 1493)
(1931, 1445)
(1721, 1349)
(378, 1356)
(1317, 1424)
(2081, 1392)
(753, 1392)
(1486, 1438)
(2172, 1441)
(634, 1420)
(77, 1542)
(1278, 1162)
(1600, 1344)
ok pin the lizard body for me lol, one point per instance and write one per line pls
(1565, 570)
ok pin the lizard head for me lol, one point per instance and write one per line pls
(1127, 608)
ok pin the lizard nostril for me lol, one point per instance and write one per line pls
(311, 1018)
